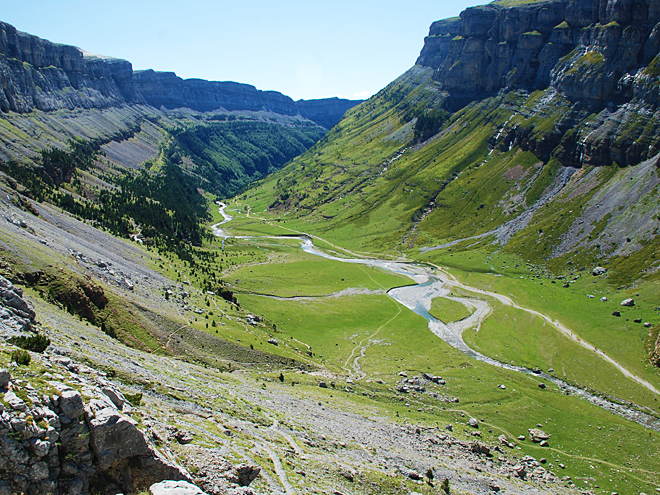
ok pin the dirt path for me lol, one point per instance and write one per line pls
(418, 298)
(451, 281)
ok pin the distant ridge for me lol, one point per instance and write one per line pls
(36, 74)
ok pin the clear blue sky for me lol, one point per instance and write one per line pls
(304, 49)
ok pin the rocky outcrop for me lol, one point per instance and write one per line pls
(169, 91)
(16, 314)
(326, 111)
(61, 444)
(36, 74)
(596, 59)
(582, 48)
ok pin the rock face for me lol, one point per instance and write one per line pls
(326, 111)
(36, 74)
(60, 444)
(16, 314)
(599, 55)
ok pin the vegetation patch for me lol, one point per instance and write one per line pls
(448, 310)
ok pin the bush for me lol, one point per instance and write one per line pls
(134, 399)
(35, 343)
(21, 357)
(445, 486)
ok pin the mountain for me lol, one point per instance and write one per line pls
(62, 108)
(37, 74)
(453, 290)
(510, 110)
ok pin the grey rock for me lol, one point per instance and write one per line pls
(5, 378)
(246, 473)
(599, 270)
(520, 471)
(115, 396)
(537, 435)
(71, 404)
(183, 437)
(39, 471)
(473, 422)
(480, 448)
(114, 437)
(40, 447)
(15, 402)
(628, 302)
(175, 488)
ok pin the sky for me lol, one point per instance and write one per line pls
(304, 49)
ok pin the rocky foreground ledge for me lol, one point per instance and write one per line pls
(66, 428)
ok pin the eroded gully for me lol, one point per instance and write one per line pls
(431, 283)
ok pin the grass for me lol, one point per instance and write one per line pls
(308, 275)
(620, 338)
(396, 340)
(448, 310)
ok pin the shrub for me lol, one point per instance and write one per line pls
(134, 399)
(35, 343)
(445, 486)
(21, 357)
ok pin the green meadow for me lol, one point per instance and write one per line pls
(336, 316)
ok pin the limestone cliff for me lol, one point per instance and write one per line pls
(38, 74)
(167, 90)
(599, 55)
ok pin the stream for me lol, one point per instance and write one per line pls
(430, 285)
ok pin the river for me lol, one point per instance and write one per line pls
(431, 283)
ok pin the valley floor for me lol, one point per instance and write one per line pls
(340, 403)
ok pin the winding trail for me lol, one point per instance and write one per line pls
(452, 282)
(430, 285)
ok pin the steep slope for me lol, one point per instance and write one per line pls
(485, 134)
(125, 150)
(37, 74)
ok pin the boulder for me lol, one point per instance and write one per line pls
(71, 404)
(15, 402)
(616, 313)
(115, 396)
(5, 377)
(603, 299)
(599, 270)
(183, 437)
(480, 448)
(520, 471)
(473, 422)
(537, 435)
(628, 302)
(175, 488)
(246, 473)
(114, 437)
